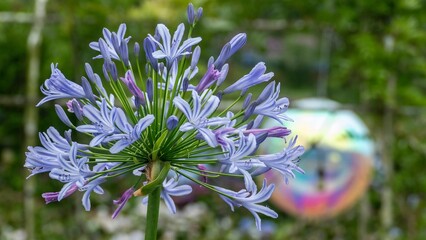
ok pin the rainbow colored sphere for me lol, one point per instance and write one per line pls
(338, 160)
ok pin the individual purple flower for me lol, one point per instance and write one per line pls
(257, 75)
(122, 201)
(198, 118)
(249, 198)
(222, 133)
(236, 43)
(129, 80)
(171, 188)
(88, 188)
(208, 79)
(113, 42)
(236, 151)
(74, 171)
(57, 86)
(270, 105)
(171, 49)
(45, 158)
(103, 122)
(128, 134)
(285, 162)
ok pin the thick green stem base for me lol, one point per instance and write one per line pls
(152, 214)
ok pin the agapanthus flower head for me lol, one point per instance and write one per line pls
(164, 124)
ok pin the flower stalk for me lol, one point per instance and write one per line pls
(152, 214)
(153, 189)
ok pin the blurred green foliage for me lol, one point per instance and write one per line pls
(369, 43)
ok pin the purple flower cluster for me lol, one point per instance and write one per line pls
(165, 124)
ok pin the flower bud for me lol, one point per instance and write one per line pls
(190, 11)
(172, 122)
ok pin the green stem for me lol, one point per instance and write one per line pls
(153, 190)
(152, 214)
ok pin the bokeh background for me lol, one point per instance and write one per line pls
(370, 56)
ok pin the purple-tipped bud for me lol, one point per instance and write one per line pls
(185, 84)
(129, 80)
(223, 56)
(124, 52)
(54, 196)
(230, 48)
(258, 121)
(195, 57)
(105, 72)
(103, 48)
(63, 116)
(67, 136)
(75, 107)
(136, 49)
(238, 42)
(249, 111)
(199, 13)
(203, 169)
(261, 137)
(78, 110)
(208, 79)
(88, 90)
(247, 101)
(190, 11)
(149, 89)
(149, 48)
(172, 122)
(255, 76)
(94, 78)
(69, 105)
(278, 131)
(211, 61)
(223, 75)
(113, 70)
(115, 42)
(122, 201)
(161, 68)
(89, 72)
(266, 93)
